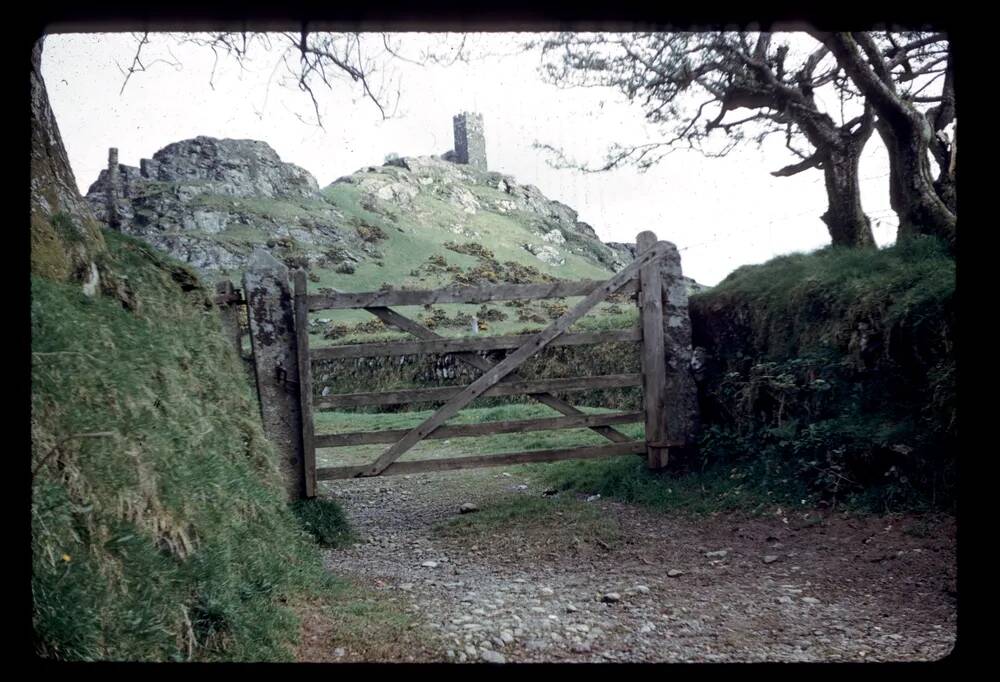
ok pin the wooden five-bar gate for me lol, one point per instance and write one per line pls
(641, 279)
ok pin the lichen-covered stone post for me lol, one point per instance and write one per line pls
(679, 393)
(272, 335)
(682, 393)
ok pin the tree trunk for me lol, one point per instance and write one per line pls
(912, 192)
(845, 218)
(907, 136)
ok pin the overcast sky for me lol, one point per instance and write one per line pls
(721, 213)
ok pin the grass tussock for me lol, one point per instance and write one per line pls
(159, 528)
(325, 520)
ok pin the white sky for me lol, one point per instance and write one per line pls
(721, 213)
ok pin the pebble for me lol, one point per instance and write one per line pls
(770, 558)
(506, 636)
(784, 599)
(406, 586)
(468, 508)
(674, 572)
(611, 597)
(811, 600)
(594, 497)
(571, 609)
(717, 554)
(339, 651)
(491, 656)
(643, 589)
(547, 591)
(430, 564)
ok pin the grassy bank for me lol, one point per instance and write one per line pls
(839, 368)
(159, 528)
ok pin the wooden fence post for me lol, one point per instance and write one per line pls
(275, 356)
(653, 354)
(305, 381)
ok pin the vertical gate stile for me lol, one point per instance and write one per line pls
(653, 354)
(305, 382)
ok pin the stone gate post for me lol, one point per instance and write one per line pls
(275, 356)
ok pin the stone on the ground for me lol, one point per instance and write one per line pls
(611, 598)
(770, 558)
(811, 600)
(491, 656)
(718, 554)
(430, 564)
(674, 572)
(468, 508)
(642, 589)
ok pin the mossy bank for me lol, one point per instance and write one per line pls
(837, 367)
(159, 528)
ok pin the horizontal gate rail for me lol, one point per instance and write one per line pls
(419, 395)
(484, 429)
(493, 292)
(499, 459)
(465, 344)
(403, 323)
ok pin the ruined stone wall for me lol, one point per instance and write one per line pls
(470, 140)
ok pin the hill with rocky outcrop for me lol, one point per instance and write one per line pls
(209, 202)
(414, 221)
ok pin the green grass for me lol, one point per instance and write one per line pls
(744, 488)
(159, 525)
(325, 521)
(521, 514)
(803, 301)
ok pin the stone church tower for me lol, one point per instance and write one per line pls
(470, 141)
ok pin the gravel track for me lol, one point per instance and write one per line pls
(721, 588)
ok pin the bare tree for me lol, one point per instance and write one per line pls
(315, 59)
(892, 77)
(691, 82)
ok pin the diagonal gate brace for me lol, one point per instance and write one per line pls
(515, 359)
(390, 316)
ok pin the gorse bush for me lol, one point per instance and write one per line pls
(159, 527)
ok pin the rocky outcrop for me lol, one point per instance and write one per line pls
(210, 202)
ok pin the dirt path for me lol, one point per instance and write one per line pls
(875, 589)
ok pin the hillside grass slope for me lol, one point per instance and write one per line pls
(159, 526)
